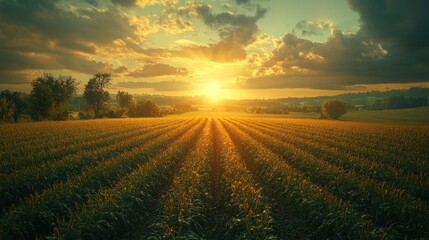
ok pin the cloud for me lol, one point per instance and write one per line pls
(157, 70)
(390, 47)
(346, 59)
(242, 1)
(235, 28)
(165, 86)
(13, 77)
(125, 3)
(400, 24)
(92, 2)
(219, 52)
(38, 35)
(173, 24)
(71, 29)
(236, 31)
(14, 64)
(143, 3)
(312, 28)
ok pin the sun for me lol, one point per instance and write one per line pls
(212, 91)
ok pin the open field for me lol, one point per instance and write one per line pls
(214, 178)
(418, 115)
(411, 115)
(226, 114)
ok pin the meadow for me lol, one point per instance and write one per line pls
(214, 178)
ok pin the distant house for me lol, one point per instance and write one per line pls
(358, 107)
(372, 100)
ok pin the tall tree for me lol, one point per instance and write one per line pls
(95, 94)
(126, 102)
(51, 96)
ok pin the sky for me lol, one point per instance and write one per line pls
(224, 49)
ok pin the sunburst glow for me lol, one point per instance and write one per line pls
(213, 91)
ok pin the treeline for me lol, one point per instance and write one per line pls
(51, 97)
(397, 102)
(268, 110)
(362, 98)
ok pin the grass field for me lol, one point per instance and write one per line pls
(411, 115)
(224, 114)
(213, 177)
(418, 115)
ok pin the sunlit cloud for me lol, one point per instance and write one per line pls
(149, 44)
(158, 69)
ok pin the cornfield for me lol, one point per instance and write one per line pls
(214, 178)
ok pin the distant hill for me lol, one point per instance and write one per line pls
(358, 98)
(364, 99)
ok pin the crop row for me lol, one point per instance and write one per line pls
(319, 212)
(183, 208)
(129, 204)
(58, 147)
(234, 178)
(387, 174)
(18, 138)
(38, 214)
(391, 209)
(23, 182)
(389, 145)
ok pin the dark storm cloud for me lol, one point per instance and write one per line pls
(391, 47)
(13, 77)
(45, 18)
(14, 60)
(399, 23)
(13, 63)
(165, 86)
(40, 35)
(343, 61)
(157, 70)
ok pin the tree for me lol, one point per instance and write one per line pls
(11, 106)
(396, 102)
(333, 109)
(126, 101)
(147, 109)
(51, 96)
(95, 95)
(7, 110)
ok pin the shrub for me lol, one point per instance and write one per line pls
(333, 109)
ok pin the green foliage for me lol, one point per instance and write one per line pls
(7, 110)
(127, 104)
(333, 109)
(146, 109)
(125, 100)
(11, 106)
(95, 94)
(51, 96)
